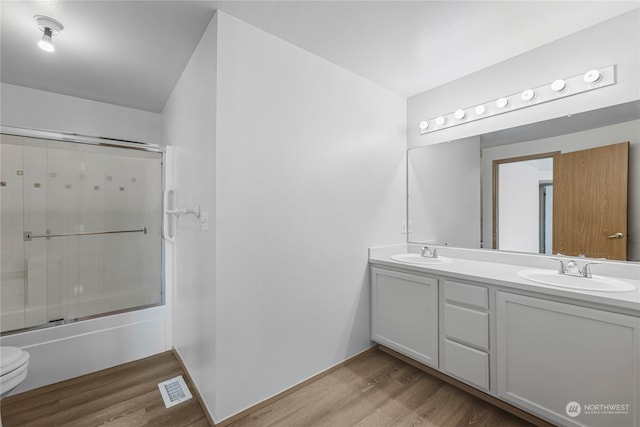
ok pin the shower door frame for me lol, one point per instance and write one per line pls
(104, 142)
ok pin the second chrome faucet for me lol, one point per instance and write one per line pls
(571, 268)
(428, 253)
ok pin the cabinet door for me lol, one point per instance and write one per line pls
(404, 314)
(574, 366)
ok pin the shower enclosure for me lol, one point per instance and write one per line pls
(80, 232)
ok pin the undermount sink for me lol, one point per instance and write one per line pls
(594, 283)
(419, 259)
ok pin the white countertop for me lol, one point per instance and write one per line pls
(505, 275)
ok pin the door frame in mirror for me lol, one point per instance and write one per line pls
(494, 186)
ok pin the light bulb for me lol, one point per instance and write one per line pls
(558, 85)
(480, 109)
(502, 102)
(424, 125)
(440, 121)
(528, 95)
(459, 114)
(46, 43)
(591, 76)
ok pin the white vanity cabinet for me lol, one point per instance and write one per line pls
(573, 365)
(404, 314)
(465, 332)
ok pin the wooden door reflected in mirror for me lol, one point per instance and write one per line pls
(569, 203)
(590, 202)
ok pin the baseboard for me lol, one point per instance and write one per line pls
(471, 390)
(292, 389)
(195, 389)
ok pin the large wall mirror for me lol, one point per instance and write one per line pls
(569, 185)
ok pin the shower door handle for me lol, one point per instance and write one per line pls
(169, 221)
(28, 236)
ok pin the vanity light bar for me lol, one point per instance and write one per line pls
(592, 79)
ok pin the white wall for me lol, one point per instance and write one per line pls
(189, 126)
(310, 173)
(40, 110)
(305, 161)
(448, 174)
(616, 41)
(518, 207)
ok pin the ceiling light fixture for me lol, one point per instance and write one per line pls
(49, 27)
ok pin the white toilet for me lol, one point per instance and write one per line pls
(14, 363)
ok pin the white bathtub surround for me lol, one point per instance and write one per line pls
(67, 351)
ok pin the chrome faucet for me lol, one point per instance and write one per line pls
(586, 271)
(428, 253)
(572, 269)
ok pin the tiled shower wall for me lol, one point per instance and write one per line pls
(53, 187)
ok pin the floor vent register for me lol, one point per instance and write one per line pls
(174, 391)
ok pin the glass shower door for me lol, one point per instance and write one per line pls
(48, 207)
(12, 257)
(81, 231)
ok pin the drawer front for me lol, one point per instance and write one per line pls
(467, 364)
(466, 326)
(475, 296)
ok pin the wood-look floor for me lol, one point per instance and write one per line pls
(374, 390)
(379, 390)
(123, 396)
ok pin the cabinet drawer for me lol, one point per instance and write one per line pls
(466, 326)
(467, 364)
(475, 296)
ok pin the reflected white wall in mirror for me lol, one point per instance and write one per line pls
(444, 193)
(524, 206)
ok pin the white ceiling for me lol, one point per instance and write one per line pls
(128, 53)
(131, 53)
